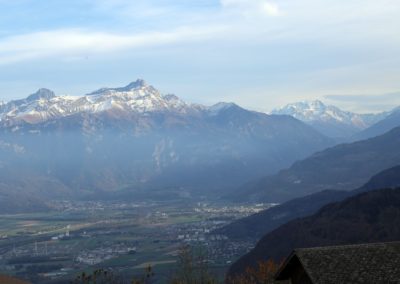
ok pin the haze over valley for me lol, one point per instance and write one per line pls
(137, 143)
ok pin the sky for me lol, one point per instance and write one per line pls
(260, 54)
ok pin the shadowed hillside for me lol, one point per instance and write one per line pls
(257, 225)
(343, 167)
(368, 217)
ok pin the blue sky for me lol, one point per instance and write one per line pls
(258, 53)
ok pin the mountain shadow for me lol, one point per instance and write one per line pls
(257, 225)
(368, 217)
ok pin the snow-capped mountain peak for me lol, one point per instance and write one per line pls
(42, 93)
(316, 110)
(138, 97)
(139, 84)
(328, 119)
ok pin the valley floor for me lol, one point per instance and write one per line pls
(124, 237)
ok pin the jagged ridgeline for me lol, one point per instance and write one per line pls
(137, 142)
(340, 124)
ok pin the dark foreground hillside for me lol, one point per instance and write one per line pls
(257, 225)
(368, 217)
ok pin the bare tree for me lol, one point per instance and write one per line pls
(192, 267)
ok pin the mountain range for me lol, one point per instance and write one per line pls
(342, 167)
(331, 120)
(136, 97)
(135, 141)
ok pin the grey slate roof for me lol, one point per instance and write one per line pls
(364, 263)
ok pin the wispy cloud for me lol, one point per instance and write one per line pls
(133, 9)
(369, 98)
(252, 7)
(154, 23)
(76, 42)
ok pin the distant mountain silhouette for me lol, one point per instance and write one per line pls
(257, 225)
(343, 167)
(385, 125)
(368, 217)
(330, 120)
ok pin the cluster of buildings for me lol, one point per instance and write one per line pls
(73, 206)
(99, 255)
(232, 211)
(62, 236)
(220, 251)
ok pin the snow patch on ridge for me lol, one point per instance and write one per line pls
(136, 97)
(314, 111)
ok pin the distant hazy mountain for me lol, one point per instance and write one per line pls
(133, 138)
(368, 217)
(342, 167)
(257, 225)
(384, 125)
(330, 120)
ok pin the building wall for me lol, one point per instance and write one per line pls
(299, 276)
